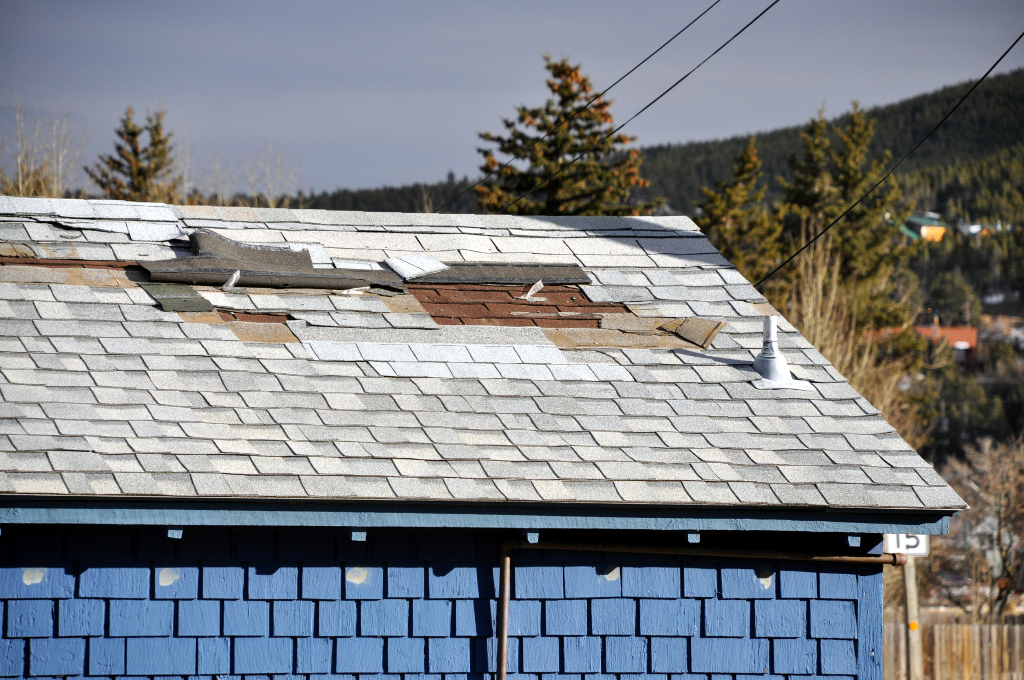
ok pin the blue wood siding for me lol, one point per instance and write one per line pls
(130, 602)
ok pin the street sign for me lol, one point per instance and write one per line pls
(911, 545)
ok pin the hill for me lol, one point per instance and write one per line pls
(410, 198)
(987, 123)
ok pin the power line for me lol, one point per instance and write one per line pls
(649, 105)
(879, 182)
(584, 107)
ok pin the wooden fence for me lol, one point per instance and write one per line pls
(955, 648)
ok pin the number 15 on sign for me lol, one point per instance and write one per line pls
(912, 545)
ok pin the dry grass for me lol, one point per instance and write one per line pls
(822, 308)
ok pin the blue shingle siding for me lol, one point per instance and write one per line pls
(321, 582)
(200, 618)
(246, 619)
(175, 583)
(141, 618)
(223, 582)
(157, 613)
(798, 583)
(651, 581)
(565, 617)
(602, 580)
(106, 656)
(30, 618)
(12, 657)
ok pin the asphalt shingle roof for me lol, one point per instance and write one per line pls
(367, 397)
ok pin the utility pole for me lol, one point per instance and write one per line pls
(915, 646)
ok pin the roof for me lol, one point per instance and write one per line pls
(366, 396)
(926, 221)
(960, 337)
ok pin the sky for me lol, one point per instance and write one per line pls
(391, 92)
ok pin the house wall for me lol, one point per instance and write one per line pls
(133, 602)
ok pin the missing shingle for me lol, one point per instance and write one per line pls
(252, 318)
(508, 274)
(247, 331)
(494, 305)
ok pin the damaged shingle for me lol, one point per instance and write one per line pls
(216, 259)
(509, 274)
(175, 297)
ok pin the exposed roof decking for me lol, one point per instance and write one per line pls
(105, 394)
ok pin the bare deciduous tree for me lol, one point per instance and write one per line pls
(269, 178)
(44, 154)
(217, 182)
(986, 542)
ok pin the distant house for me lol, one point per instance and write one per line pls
(963, 339)
(234, 443)
(928, 226)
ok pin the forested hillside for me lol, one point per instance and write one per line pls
(986, 190)
(409, 198)
(987, 123)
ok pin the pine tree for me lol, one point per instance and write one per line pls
(810, 202)
(137, 172)
(869, 237)
(735, 221)
(867, 242)
(597, 184)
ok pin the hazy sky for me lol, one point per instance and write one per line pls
(391, 92)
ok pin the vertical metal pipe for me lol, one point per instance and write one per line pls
(915, 645)
(505, 556)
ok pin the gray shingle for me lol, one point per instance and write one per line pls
(517, 490)
(870, 496)
(32, 483)
(498, 469)
(902, 476)
(29, 461)
(811, 474)
(939, 497)
(592, 491)
(483, 489)
(91, 483)
(753, 493)
(412, 487)
(652, 492)
(210, 484)
(711, 493)
(77, 461)
(264, 486)
(798, 494)
(393, 392)
(641, 471)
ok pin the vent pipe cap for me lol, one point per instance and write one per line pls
(770, 364)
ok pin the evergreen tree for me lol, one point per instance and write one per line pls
(137, 172)
(810, 202)
(548, 138)
(953, 300)
(735, 221)
(867, 242)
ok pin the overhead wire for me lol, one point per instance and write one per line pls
(634, 116)
(893, 169)
(582, 108)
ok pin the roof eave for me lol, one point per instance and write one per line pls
(359, 514)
